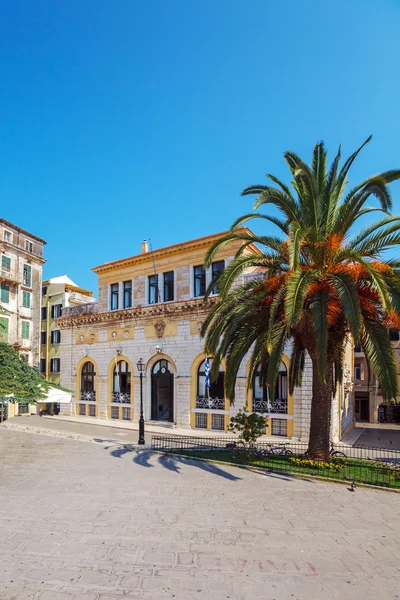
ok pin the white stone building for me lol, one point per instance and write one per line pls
(152, 307)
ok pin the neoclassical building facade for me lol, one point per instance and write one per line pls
(151, 307)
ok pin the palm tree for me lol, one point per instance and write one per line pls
(322, 285)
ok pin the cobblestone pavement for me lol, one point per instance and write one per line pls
(89, 522)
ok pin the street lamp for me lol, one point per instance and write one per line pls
(140, 367)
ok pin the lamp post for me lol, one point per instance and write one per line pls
(140, 367)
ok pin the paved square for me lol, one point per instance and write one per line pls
(84, 521)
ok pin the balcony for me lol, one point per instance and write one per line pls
(278, 406)
(210, 403)
(9, 276)
(260, 275)
(81, 309)
(121, 398)
(78, 298)
(87, 397)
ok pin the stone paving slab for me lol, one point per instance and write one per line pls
(81, 522)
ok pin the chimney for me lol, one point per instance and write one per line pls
(145, 247)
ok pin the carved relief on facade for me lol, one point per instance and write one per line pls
(159, 326)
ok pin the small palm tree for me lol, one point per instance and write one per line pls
(322, 284)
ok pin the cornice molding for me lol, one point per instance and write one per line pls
(141, 314)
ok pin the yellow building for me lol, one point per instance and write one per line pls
(151, 306)
(57, 293)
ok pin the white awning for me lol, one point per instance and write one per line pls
(57, 397)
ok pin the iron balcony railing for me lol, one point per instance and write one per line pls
(210, 403)
(87, 397)
(279, 406)
(120, 397)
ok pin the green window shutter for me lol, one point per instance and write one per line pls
(26, 299)
(25, 330)
(5, 293)
(5, 262)
(3, 329)
(28, 275)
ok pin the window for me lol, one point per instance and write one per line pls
(56, 311)
(88, 374)
(153, 289)
(115, 412)
(92, 410)
(126, 413)
(114, 296)
(26, 299)
(23, 409)
(394, 335)
(7, 236)
(56, 337)
(201, 420)
(3, 329)
(199, 276)
(28, 246)
(5, 263)
(26, 327)
(262, 401)
(82, 410)
(55, 365)
(279, 427)
(358, 349)
(212, 397)
(358, 372)
(127, 294)
(121, 391)
(216, 270)
(43, 313)
(218, 422)
(44, 290)
(169, 286)
(27, 278)
(42, 365)
(4, 293)
(43, 338)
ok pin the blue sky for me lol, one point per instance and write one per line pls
(134, 119)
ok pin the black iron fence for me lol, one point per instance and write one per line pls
(375, 466)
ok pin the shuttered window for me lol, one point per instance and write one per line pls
(27, 279)
(3, 329)
(26, 327)
(4, 293)
(56, 311)
(5, 263)
(55, 365)
(26, 299)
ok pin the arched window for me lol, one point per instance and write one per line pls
(121, 391)
(261, 396)
(88, 389)
(212, 397)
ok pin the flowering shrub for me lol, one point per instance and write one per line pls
(335, 464)
(391, 469)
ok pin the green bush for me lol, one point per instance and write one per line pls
(249, 427)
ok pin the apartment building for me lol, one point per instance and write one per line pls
(21, 256)
(369, 405)
(56, 294)
(151, 307)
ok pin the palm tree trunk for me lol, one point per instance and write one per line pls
(321, 406)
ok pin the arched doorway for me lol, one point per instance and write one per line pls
(162, 392)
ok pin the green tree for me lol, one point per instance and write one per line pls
(249, 427)
(322, 284)
(19, 382)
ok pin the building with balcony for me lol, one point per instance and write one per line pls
(151, 306)
(368, 400)
(21, 262)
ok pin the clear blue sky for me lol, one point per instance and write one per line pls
(134, 119)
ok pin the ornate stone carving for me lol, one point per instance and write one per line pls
(159, 326)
